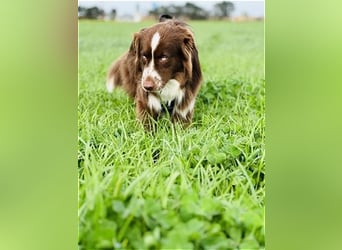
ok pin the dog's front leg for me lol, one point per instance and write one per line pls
(184, 110)
(182, 118)
(146, 114)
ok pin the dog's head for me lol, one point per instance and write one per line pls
(165, 51)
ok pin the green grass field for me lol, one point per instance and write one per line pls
(206, 190)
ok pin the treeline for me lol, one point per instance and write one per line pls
(189, 10)
(192, 11)
(94, 13)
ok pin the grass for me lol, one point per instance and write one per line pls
(198, 188)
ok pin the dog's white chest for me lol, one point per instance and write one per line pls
(171, 91)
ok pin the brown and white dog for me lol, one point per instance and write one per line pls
(161, 71)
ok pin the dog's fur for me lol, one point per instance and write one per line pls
(161, 69)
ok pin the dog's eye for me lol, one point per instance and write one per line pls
(144, 59)
(163, 58)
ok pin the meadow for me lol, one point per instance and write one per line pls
(197, 188)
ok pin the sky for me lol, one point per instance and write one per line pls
(252, 8)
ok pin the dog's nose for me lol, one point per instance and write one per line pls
(148, 85)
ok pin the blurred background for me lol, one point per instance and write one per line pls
(134, 11)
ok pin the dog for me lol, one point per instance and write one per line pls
(161, 71)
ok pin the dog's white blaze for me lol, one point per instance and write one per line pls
(172, 91)
(155, 42)
(154, 103)
(110, 84)
(150, 70)
(187, 109)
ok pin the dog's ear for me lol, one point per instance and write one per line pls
(192, 68)
(187, 49)
(135, 48)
